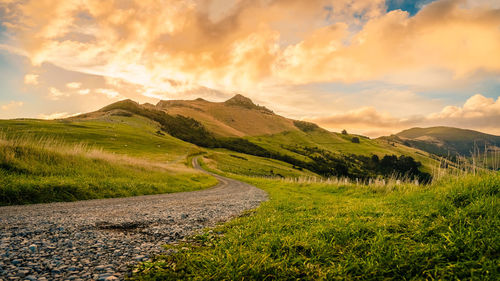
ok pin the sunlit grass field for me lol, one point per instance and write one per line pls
(49, 170)
(448, 230)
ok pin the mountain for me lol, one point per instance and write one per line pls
(447, 140)
(236, 117)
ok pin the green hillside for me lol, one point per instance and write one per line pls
(130, 135)
(332, 154)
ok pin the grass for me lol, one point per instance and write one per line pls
(340, 144)
(48, 170)
(133, 136)
(243, 164)
(315, 231)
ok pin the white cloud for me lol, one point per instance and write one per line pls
(55, 94)
(31, 79)
(12, 105)
(108, 92)
(74, 85)
(84, 91)
(475, 107)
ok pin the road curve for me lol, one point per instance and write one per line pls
(100, 239)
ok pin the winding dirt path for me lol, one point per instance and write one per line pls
(100, 239)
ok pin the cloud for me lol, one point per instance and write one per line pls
(12, 105)
(31, 79)
(239, 45)
(57, 115)
(478, 112)
(55, 94)
(108, 92)
(441, 36)
(362, 117)
(84, 91)
(74, 85)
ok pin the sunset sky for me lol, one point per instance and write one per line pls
(373, 67)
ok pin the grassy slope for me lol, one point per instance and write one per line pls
(341, 144)
(306, 231)
(34, 172)
(248, 165)
(134, 136)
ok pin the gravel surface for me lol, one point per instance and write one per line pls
(101, 239)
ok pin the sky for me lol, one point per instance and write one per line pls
(372, 67)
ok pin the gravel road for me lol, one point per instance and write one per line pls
(100, 239)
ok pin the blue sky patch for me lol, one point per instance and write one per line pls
(412, 7)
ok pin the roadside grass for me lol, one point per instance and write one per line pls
(49, 170)
(316, 231)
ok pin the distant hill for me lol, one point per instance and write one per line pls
(447, 140)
